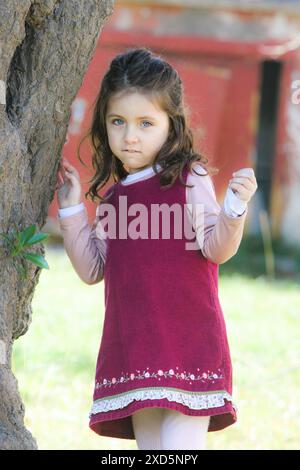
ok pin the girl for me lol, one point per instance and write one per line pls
(163, 373)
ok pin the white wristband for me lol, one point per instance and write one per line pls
(71, 210)
(233, 205)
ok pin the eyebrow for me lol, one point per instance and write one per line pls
(140, 117)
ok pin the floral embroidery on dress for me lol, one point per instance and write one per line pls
(203, 377)
(193, 400)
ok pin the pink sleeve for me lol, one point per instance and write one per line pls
(219, 234)
(85, 248)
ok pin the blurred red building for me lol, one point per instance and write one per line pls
(240, 63)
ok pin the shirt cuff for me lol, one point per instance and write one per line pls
(233, 205)
(71, 210)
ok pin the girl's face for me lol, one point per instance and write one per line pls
(137, 128)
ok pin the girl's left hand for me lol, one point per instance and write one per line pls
(243, 183)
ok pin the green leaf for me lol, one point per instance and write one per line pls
(26, 234)
(38, 237)
(15, 249)
(39, 260)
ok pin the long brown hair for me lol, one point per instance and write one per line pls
(139, 69)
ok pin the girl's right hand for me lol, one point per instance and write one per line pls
(68, 185)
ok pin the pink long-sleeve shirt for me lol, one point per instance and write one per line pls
(219, 236)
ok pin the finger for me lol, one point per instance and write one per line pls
(237, 184)
(250, 185)
(70, 175)
(71, 168)
(67, 166)
(244, 172)
(67, 163)
(60, 178)
(243, 181)
(241, 191)
(244, 178)
(58, 186)
(240, 188)
(62, 171)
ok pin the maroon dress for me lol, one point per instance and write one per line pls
(164, 342)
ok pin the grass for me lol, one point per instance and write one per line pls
(55, 361)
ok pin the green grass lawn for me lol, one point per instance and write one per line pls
(55, 361)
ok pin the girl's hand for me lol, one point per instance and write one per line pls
(243, 183)
(68, 185)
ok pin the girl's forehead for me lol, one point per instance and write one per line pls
(140, 101)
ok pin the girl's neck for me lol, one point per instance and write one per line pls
(138, 175)
(137, 170)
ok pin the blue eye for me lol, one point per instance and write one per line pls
(118, 119)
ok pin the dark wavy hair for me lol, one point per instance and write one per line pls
(140, 70)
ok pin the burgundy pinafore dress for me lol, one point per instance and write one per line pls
(164, 342)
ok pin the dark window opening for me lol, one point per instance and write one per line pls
(267, 129)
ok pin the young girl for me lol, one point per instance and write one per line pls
(163, 373)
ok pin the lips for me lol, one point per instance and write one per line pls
(131, 151)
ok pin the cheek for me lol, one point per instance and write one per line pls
(161, 138)
(157, 136)
(112, 135)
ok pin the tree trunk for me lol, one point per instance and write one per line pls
(46, 46)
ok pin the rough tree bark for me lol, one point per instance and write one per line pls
(45, 48)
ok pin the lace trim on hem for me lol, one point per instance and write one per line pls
(193, 400)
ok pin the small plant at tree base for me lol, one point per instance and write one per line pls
(16, 244)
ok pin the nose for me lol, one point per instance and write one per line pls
(130, 135)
